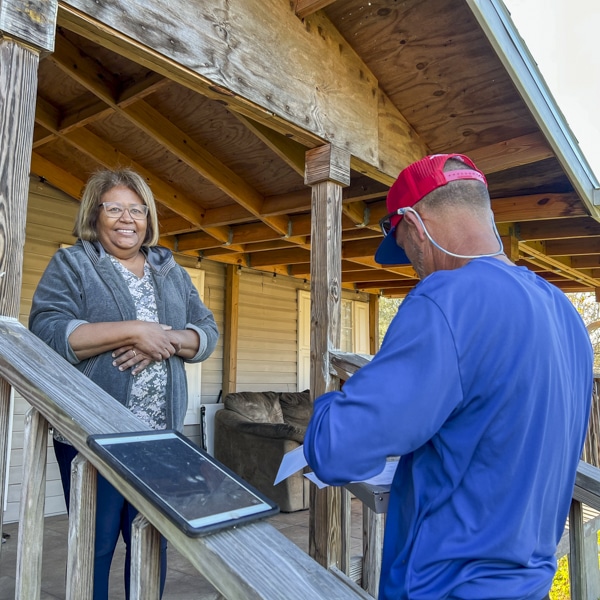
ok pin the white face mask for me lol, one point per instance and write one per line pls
(490, 255)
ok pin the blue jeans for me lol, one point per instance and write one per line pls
(114, 516)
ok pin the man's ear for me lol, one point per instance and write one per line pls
(413, 221)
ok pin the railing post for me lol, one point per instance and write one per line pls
(145, 560)
(31, 514)
(82, 530)
(373, 529)
(576, 555)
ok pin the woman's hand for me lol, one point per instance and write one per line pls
(128, 357)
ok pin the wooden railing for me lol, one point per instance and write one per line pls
(587, 485)
(251, 562)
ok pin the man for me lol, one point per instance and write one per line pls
(482, 385)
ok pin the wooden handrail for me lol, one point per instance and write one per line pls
(251, 562)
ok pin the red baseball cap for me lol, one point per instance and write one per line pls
(413, 184)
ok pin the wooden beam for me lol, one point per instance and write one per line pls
(290, 151)
(536, 207)
(517, 152)
(568, 268)
(305, 8)
(56, 176)
(557, 229)
(573, 247)
(292, 256)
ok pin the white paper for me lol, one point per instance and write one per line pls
(294, 461)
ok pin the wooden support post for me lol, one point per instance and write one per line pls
(577, 575)
(230, 337)
(82, 530)
(327, 172)
(31, 514)
(26, 29)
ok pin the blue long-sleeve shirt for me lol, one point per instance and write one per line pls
(483, 386)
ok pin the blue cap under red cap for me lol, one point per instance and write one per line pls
(413, 184)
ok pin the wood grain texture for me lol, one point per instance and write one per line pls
(145, 560)
(577, 575)
(218, 42)
(325, 524)
(32, 22)
(82, 530)
(31, 518)
(373, 530)
(18, 82)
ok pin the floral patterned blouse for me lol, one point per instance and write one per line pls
(147, 399)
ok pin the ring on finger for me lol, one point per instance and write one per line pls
(134, 352)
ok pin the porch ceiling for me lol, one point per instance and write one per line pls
(231, 189)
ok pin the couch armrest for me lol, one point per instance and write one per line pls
(281, 431)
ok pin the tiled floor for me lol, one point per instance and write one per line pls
(183, 581)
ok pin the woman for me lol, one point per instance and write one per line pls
(120, 309)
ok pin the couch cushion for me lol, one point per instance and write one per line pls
(260, 407)
(296, 408)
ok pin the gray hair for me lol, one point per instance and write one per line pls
(467, 192)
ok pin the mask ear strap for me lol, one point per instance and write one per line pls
(490, 255)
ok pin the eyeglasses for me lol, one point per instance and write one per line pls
(138, 212)
(386, 222)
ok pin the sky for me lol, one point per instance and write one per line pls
(563, 37)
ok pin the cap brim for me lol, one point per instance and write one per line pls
(389, 253)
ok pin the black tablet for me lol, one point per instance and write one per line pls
(190, 487)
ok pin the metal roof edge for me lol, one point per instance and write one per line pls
(496, 22)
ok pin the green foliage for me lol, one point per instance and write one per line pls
(388, 307)
(589, 309)
(560, 586)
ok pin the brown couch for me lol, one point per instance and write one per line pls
(253, 432)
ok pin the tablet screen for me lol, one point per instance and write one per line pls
(191, 487)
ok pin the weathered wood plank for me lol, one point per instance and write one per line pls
(145, 560)
(587, 485)
(32, 22)
(345, 364)
(31, 517)
(82, 530)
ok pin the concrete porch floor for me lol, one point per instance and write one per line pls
(183, 581)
